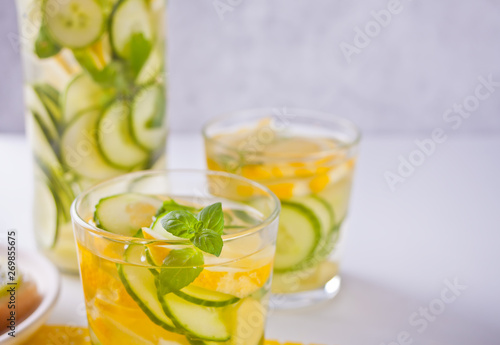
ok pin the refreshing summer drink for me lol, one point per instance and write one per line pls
(188, 264)
(308, 162)
(95, 101)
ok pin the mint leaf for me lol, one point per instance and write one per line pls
(44, 46)
(156, 119)
(139, 49)
(209, 241)
(172, 205)
(204, 231)
(180, 223)
(212, 217)
(180, 268)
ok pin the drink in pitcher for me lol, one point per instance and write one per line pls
(95, 99)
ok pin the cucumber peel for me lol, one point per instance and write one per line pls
(298, 235)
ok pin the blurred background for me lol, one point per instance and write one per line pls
(399, 69)
(226, 55)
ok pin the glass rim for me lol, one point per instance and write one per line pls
(75, 216)
(311, 115)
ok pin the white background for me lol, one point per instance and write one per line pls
(282, 52)
(401, 247)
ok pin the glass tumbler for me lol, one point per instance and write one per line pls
(307, 159)
(122, 276)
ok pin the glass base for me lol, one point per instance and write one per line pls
(306, 298)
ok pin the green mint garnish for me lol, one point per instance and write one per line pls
(209, 241)
(139, 49)
(204, 231)
(44, 46)
(212, 217)
(180, 268)
(180, 223)
(171, 205)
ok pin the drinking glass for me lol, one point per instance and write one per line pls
(95, 102)
(307, 159)
(122, 275)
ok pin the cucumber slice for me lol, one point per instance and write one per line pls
(324, 213)
(298, 235)
(79, 149)
(325, 206)
(115, 140)
(148, 117)
(207, 298)
(45, 213)
(200, 322)
(140, 285)
(49, 97)
(125, 214)
(50, 91)
(81, 95)
(328, 239)
(42, 144)
(73, 23)
(44, 118)
(129, 18)
(252, 313)
(201, 342)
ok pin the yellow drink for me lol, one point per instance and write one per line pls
(310, 170)
(225, 304)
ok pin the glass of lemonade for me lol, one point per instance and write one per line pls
(95, 101)
(307, 159)
(145, 285)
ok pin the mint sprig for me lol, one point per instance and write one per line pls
(182, 266)
(204, 230)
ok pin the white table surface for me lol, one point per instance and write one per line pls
(442, 223)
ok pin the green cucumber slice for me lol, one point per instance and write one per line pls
(329, 239)
(129, 18)
(326, 217)
(50, 91)
(79, 149)
(148, 117)
(45, 212)
(81, 95)
(49, 97)
(115, 140)
(73, 23)
(200, 322)
(323, 210)
(42, 144)
(250, 312)
(207, 298)
(125, 214)
(39, 110)
(298, 235)
(140, 285)
(199, 342)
